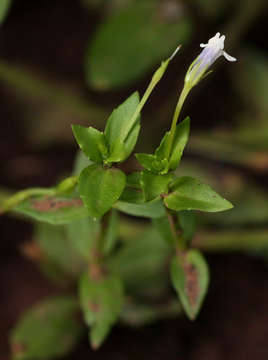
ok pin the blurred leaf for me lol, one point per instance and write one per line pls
(50, 329)
(139, 314)
(122, 129)
(58, 249)
(4, 7)
(100, 188)
(163, 227)
(190, 278)
(111, 232)
(246, 240)
(132, 202)
(131, 41)
(154, 185)
(187, 221)
(101, 302)
(190, 194)
(141, 262)
(91, 142)
(53, 210)
(82, 235)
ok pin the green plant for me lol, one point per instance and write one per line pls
(120, 266)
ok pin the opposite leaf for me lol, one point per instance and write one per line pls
(122, 129)
(154, 185)
(190, 278)
(100, 188)
(190, 194)
(91, 142)
(48, 330)
(101, 301)
(132, 202)
(179, 143)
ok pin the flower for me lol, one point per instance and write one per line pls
(211, 52)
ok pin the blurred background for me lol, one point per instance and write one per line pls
(72, 61)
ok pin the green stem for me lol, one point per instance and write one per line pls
(183, 95)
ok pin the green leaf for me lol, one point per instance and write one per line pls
(101, 303)
(57, 249)
(100, 188)
(190, 194)
(141, 263)
(187, 221)
(54, 210)
(91, 142)
(163, 227)
(133, 40)
(122, 129)
(132, 202)
(152, 162)
(111, 232)
(137, 314)
(82, 234)
(4, 7)
(190, 278)
(179, 143)
(154, 185)
(50, 329)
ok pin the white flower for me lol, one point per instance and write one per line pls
(211, 52)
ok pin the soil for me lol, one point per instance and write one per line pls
(233, 322)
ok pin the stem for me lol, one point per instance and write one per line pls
(178, 240)
(185, 91)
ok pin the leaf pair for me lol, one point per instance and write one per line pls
(119, 137)
(160, 162)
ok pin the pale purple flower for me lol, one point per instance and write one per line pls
(211, 52)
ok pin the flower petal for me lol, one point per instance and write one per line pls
(228, 57)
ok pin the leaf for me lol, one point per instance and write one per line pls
(179, 143)
(4, 7)
(133, 40)
(190, 194)
(91, 142)
(132, 203)
(82, 235)
(100, 188)
(163, 227)
(122, 129)
(141, 263)
(154, 185)
(190, 278)
(101, 303)
(152, 163)
(54, 209)
(137, 314)
(187, 221)
(57, 249)
(50, 329)
(158, 163)
(111, 233)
